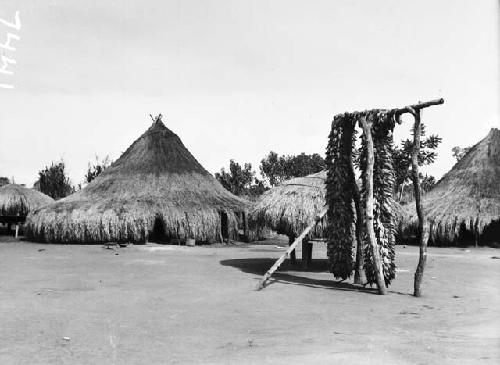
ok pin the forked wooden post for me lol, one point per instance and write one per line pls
(270, 272)
(372, 239)
(359, 271)
(423, 226)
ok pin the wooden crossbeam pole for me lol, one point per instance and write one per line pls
(277, 264)
(407, 109)
(421, 105)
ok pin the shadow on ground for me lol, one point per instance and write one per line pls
(290, 274)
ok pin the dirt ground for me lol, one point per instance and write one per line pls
(174, 304)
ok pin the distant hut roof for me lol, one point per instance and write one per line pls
(156, 185)
(18, 200)
(291, 206)
(469, 194)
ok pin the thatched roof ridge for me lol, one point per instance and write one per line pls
(156, 184)
(290, 207)
(468, 194)
(19, 200)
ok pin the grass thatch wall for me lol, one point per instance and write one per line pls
(468, 196)
(156, 186)
(18, 200)
(290, 207)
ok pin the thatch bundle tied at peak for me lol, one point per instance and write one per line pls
(468, 196)
(156, 188)
(291, 206)
(17, 200)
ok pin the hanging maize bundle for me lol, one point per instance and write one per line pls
(339, 196)
(383, 182)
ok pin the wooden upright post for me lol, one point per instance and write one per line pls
(293, 256)
(372, 239)
(306, 253)
(359, 271)
(423, 226)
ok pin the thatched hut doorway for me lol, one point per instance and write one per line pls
(158, 233)
(224, 226)
(243, 230)
(491, 234)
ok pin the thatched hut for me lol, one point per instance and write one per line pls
(17, 200)
(291, 206)
(466, 201)
(155, 190)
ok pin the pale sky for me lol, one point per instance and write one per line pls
(236, 79)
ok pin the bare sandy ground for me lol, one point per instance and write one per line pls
(175, 305)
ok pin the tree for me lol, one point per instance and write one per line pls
(257, 188)
(275, 169)
(240, 180)
(459, 152)
(402, 157)
(97, 168)
(53, 181)
(4, 181)
(272, 168)
(303, 165)
(427, 182)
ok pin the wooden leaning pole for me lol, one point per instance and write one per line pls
(270, 272)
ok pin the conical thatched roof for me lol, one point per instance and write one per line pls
(469, 194)
(290, 207)
(155, 186)
(18, 200)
